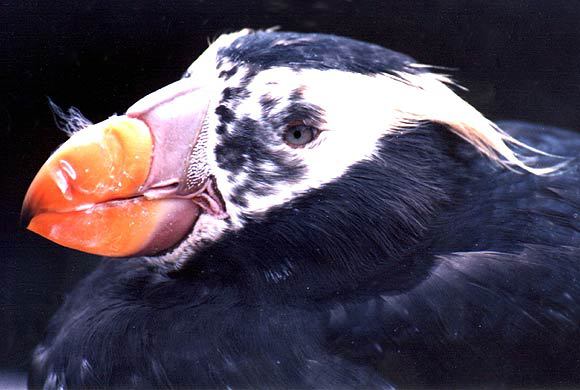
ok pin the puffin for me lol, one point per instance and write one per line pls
(303, 210)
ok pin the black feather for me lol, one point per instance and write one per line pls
(426, 266)
(265, 50)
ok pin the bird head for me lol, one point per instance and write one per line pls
(259, 121)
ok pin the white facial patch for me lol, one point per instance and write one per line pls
(356, 111)
(354, 117)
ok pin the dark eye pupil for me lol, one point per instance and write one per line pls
(299, 135)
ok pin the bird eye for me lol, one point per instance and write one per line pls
(299, 135)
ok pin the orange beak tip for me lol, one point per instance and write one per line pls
(103, 162)
(118, 230)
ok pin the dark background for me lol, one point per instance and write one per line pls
(520, 60)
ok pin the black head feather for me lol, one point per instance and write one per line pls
(422, 265)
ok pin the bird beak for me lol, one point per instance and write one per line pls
(118, 188)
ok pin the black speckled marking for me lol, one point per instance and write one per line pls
(226, 74)
(268, 103)
(228, 157)
(234, 94)
(227, 94)
(224, 113)
(221, 129)
(252, 146)
(249, 147)
(237, 199)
